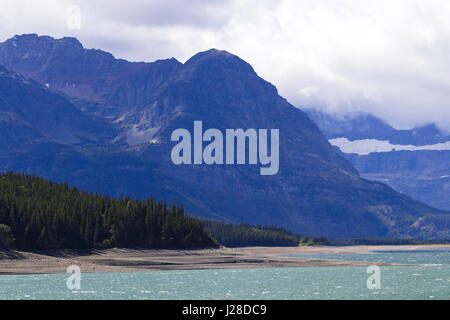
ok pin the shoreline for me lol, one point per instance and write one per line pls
(132, 260)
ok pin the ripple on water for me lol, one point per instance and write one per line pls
(429, 280)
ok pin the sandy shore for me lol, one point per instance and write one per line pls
(115, 260)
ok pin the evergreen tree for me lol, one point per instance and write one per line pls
(38, 214)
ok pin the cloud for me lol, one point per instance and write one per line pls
(200, 13)
(385, 57)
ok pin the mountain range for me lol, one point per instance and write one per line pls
(104, 124)
(415, 162)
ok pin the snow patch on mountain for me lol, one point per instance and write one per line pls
(137, 136)
(366, 146)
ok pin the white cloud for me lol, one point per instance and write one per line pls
(385, 57)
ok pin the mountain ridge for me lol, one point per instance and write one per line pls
(316, 192)
(362, 125)
(421, 174)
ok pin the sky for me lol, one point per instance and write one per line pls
(389, 58)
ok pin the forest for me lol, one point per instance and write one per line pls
(240, 235)
(38, 214)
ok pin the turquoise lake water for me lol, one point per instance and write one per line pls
(428, 279)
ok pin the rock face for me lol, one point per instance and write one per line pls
(316, 191)
(422, 175)
(38, 126)
(90, 77)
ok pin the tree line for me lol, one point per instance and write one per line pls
(240, 235)
(385, 241)
(39, 214)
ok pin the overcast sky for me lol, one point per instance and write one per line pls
(388, 57)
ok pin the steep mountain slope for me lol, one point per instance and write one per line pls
(29, 112)
(92, 78)
(415, 162)
(41, 131)
(316, 192)
(422, 175)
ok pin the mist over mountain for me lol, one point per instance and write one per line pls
(366, 126)
(415, 162)
(132, 109)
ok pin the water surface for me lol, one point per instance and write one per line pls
(429, 279)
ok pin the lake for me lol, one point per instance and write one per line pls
(429, 278)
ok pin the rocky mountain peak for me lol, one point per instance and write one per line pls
(214, 60)
(315, 192)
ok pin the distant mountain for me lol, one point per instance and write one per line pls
(316, 192)
(415, 162)
(366, 126)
